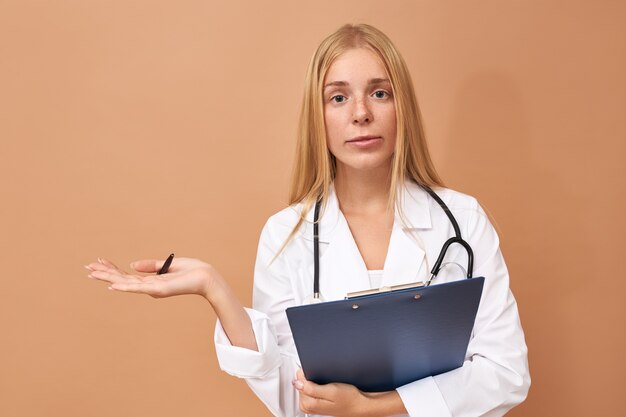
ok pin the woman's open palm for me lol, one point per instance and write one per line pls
(185, 276)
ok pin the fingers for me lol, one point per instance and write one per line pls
(110, 264)
(298, 383)
(314, 405)
(308, 405)
(318, 399)
(97, 266)
(153, 288)
(106, 270)
(143, 265)
(114, 276)
(107, 263)
(311, 389)
(103, 265)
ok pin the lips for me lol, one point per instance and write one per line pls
(363, 139)
(368, 142)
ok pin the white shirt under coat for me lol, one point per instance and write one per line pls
(494, 377)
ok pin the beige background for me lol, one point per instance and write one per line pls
(134, 128)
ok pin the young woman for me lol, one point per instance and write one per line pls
(361, 152)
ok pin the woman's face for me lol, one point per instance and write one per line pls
(359, 112)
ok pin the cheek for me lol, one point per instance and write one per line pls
(391, 127)
(332, 126)
(391, 119)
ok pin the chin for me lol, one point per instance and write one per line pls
(365, 164)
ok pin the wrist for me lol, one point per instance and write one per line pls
(212, 286)
(382, 404)
(367, 406)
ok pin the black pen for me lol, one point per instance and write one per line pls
(166, 265)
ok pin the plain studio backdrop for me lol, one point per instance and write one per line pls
(132, 129)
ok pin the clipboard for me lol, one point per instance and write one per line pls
(381, 341)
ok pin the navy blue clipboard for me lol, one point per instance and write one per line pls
(389, 339)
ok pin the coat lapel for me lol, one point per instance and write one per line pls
(343, 265)
(404, 258)
(405, 261)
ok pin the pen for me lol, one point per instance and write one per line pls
(166, 265)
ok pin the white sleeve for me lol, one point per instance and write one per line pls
(269, 371)
(494, 377)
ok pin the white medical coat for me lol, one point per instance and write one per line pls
(494, 377)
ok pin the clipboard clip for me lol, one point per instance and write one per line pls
(382, 290)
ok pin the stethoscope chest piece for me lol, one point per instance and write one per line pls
(312, 299)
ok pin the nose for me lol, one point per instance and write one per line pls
(362, 113)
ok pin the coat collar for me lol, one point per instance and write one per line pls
(342, 268)
(416, 207)
(415, 212)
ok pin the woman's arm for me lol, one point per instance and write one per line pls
(230, 312)
(270, 368)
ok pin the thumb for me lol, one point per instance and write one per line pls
(300, 375)
(147, 265)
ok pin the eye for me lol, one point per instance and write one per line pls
(381, 94)
(338, 98)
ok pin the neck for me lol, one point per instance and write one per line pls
(362, 191)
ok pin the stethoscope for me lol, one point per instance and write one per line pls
(438, 264)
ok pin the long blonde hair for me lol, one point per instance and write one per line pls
(314, 168)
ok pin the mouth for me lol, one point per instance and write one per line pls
(364, 139)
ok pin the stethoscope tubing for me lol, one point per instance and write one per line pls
(436, 267)
(316, 251)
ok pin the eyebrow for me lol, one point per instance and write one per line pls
(373, 81)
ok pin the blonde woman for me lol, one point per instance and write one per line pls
(361, 152)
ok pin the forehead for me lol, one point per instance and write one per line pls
(355, 65)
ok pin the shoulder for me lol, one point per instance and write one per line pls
(279, 226)
(475, 222)
(421, 208)
(283, 220)
(296, 222)
(466, 209)
(460, 204)
(457, 200)
(451, 197)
